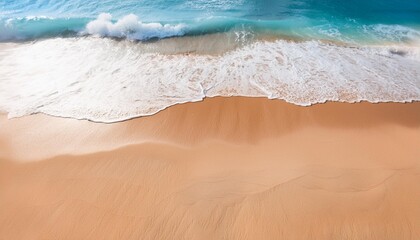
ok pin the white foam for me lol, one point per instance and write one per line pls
(132, 28)
(105, 80)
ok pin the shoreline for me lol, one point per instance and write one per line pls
(5, 113)
(281, 70)
(230, 110)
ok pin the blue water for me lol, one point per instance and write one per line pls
(340, 20)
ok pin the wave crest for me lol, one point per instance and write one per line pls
(132, 28)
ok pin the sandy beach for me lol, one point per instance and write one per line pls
(224, 168)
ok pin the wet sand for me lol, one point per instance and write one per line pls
(224, 168)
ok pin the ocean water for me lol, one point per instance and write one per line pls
(114, 60)
(356, 20)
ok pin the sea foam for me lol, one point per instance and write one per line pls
(105, 80)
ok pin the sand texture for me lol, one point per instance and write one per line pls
(224, 168)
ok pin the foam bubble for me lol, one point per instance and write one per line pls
(131, 27)
(105, 80)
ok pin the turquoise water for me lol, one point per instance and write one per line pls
(340, 20)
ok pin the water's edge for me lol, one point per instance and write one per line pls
(104, 80)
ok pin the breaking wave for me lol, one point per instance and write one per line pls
(132, 28)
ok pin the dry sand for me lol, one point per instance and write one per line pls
(225, 168)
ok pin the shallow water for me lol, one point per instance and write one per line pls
(106, 80)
